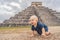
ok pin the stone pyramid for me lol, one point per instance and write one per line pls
(45, 15)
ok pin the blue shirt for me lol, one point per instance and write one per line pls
(39, 27)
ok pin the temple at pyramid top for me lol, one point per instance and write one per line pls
(36, 3)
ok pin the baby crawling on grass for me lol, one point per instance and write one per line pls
(38, 27)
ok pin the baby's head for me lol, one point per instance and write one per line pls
(33, 20)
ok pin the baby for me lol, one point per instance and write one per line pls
(38, 27)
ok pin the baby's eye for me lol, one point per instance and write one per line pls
(32, 20)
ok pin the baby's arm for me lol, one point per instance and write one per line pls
(43, 32)
(34, 33)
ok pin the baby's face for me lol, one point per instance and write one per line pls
(32, 22)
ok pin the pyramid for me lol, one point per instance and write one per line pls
(45, 15)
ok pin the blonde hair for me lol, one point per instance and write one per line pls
(33, 17)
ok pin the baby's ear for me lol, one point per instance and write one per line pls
(37, 19)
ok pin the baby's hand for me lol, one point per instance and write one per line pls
(32, 35)
(43, 35)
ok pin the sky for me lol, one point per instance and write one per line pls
(9, 8)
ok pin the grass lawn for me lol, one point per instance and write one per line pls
(5, 30)
(22, 27)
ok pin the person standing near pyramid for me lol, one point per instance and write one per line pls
(38, 27)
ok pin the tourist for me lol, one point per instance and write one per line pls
(38, 27)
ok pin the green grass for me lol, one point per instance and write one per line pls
(12, 28)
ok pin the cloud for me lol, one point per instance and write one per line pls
(7, 10)
(57, 9)
(15, 4)
(5, 15)
(6, 7)
(20, 1)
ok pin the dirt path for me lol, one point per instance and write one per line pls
(24, 35)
